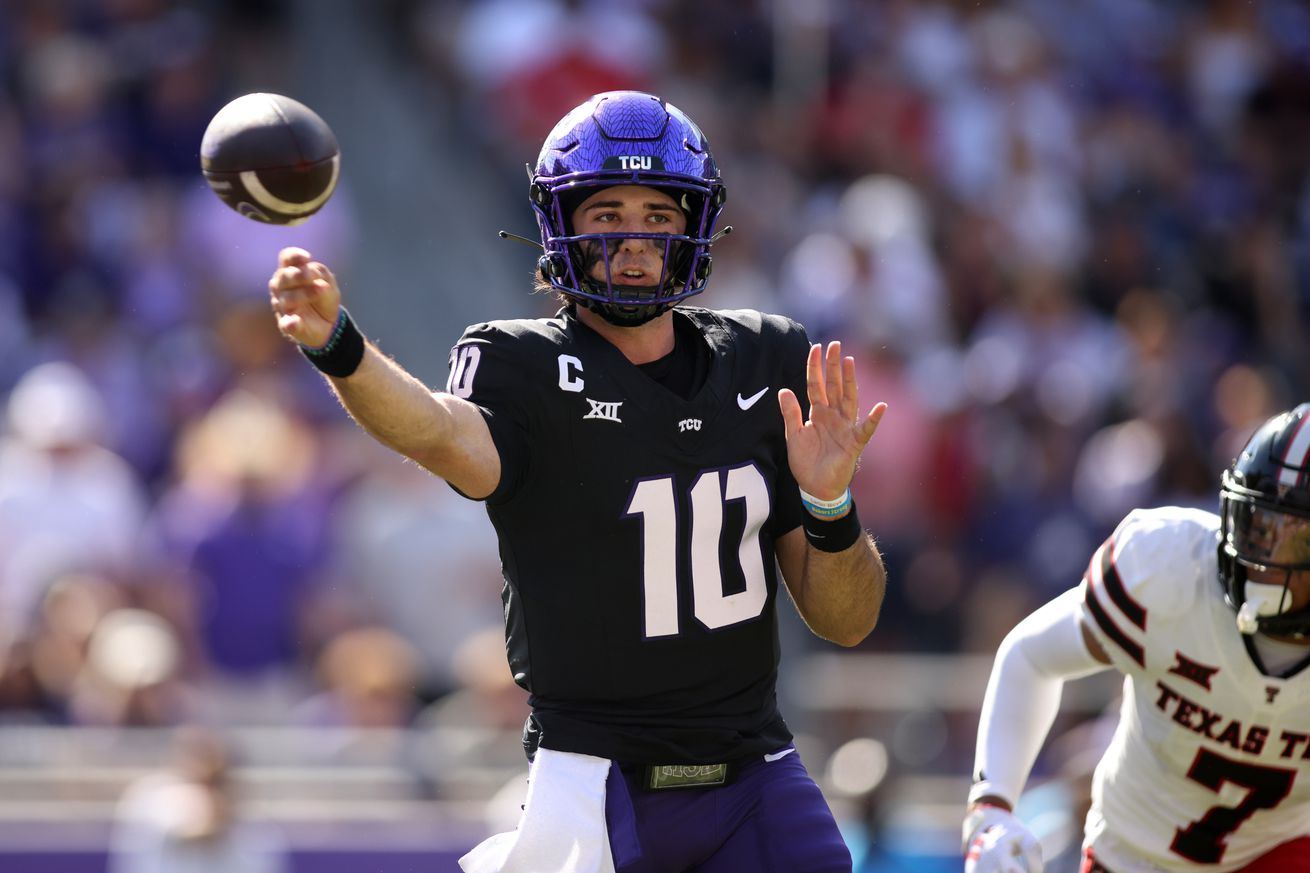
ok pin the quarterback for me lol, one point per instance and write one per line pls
(1208, 619)
(649, 467)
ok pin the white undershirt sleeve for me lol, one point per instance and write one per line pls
(1032, 664)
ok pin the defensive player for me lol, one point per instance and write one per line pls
(644, 466)
(1209, 768)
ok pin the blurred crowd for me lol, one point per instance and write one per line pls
(1068, 243)
(190, 529)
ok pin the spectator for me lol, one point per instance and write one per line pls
(66, 502)
(188, 819)
(370, 680)
(246, 525)
(418, 559)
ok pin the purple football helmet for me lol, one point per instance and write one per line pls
(625, 138)
(1265, 523)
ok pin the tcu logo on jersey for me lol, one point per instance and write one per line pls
(688, 424)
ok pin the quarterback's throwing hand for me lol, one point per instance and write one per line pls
(824, 450)
(995, 841)
(305, 298)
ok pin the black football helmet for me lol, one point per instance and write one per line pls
(1264, 507)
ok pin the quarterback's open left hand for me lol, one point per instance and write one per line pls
(995, 841)
(823, 451)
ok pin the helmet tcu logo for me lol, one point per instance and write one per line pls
(634, 162)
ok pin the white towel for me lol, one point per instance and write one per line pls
(562, 829)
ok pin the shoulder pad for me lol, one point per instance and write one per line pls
(544, 330)
(1151, 569)
(496, 360)
(752, 321)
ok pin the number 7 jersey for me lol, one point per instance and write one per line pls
(1209, 767)
(637, 531)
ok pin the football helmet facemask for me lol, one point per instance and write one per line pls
(625, 138)
(1264, 506)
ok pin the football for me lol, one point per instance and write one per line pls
(271, 158)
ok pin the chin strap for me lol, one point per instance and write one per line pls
(615, 316)
(623, 315)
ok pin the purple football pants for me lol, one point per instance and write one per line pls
(771, 818)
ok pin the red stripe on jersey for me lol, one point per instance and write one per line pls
(1134, 611)
(1117, 636)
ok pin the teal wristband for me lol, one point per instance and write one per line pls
(828, 509)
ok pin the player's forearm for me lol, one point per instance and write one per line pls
(389, 403)
(1019, 707)
(841, 593)
(1023, 695)
(443, 433)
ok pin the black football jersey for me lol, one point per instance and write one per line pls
(637, 532)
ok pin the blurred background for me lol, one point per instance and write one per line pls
(1069, 243)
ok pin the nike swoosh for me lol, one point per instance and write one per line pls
(748, 402)
(785, 752)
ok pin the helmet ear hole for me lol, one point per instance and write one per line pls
(539, 194)
(552, 266)
(704, 266)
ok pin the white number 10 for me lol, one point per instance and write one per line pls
(463, 364)
(654, 500)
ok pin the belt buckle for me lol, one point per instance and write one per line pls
(660, 777)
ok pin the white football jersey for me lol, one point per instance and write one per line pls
(1210, 765)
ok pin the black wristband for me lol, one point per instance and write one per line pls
(833, 536)
(341, 354)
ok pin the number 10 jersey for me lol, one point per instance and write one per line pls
(637, 532)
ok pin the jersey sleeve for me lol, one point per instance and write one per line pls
(486, 369)
(794, 347)
(1136, 581)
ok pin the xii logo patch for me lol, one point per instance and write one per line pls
(607, 411)
(1189, 669)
